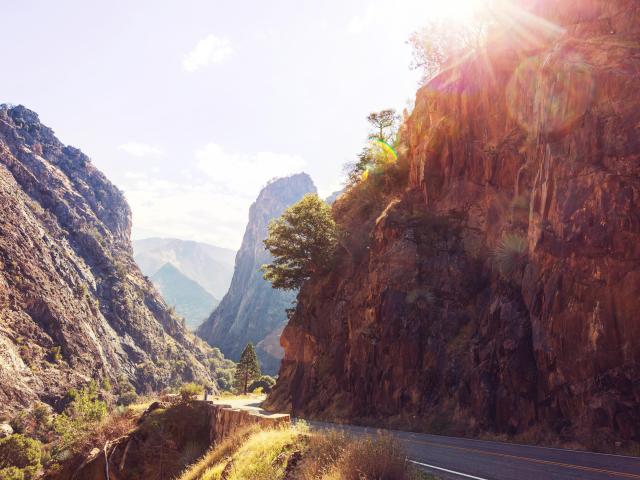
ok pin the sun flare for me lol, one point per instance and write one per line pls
(457, 10)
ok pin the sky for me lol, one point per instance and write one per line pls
(190, 107)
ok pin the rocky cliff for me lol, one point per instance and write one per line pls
(73, 304)
(495, 284)
(252, 311)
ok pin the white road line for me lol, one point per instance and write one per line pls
(445, 470)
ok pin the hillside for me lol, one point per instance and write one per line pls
(252, 311)
(191, 301)
(491, 279)
(74, 306)
(210, 266)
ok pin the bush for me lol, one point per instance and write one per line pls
(189, 391)
(380, 457)
(127, 398)
(80, 418)
(126, 392)
(265, 383)
(12, 473)
(19, 423)
(23, 454)
(510, 256)
(55, 354)
(41, 414)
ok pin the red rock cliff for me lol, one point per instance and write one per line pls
(497, 287)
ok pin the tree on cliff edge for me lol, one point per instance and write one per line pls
(247, 370)
(302, 242)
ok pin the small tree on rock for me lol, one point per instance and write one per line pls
(384, 129)
(247, 370)
(302, 242)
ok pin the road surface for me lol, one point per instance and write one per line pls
(454, 458)
(462, 458)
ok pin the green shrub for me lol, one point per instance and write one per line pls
(11, 473)
(23, 454)
(80, 417)
(265, 383)
(55, 354)
(41, 415)
(126, 392)
(106, 384)
(189, 391)
(19, 422)
(127, 398)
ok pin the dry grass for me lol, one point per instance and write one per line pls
(327, 455)
(264, 456)
(373, 458)
(216, 455)
(115, 425)
(323, 451)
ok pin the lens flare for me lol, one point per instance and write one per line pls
(387, 149)
(550, 100)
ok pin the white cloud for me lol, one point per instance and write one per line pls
(242, 173)
(180, 209)
(142, 150)
(211, 207)
(209, 50)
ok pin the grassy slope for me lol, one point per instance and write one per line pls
(296, 453)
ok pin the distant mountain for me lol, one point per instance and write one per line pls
(210, 266)
(331, 199)
(190, 300)
(252, 311)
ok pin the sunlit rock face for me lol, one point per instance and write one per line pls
(252, 311)
(74, 307)
(499, 288)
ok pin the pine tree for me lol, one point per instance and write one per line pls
(247, 370)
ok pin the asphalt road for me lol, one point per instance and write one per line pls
(461, 458)
(454, 458)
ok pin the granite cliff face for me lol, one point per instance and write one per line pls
(495, 287)
(252, 311)
(73, 304)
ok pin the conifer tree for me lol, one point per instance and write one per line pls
(247, 370)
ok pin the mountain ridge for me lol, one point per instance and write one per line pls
(190, 300)
(68, 282)
(209, 265)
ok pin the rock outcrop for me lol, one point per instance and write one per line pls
(74, 306)
(495, 288)
(252, 311)
(181, 433)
